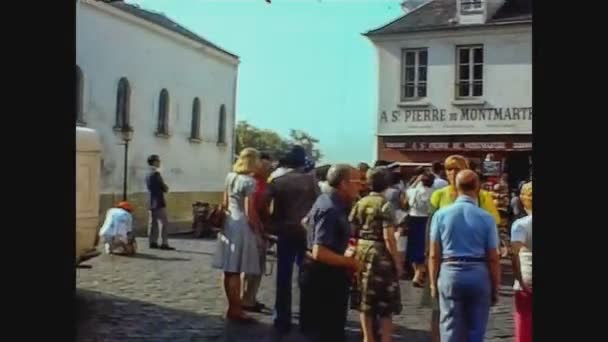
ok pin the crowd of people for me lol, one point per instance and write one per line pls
(340, 225)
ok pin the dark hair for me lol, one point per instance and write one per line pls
(437, 167)
(378, 178)
(321, 172)
(381, 163)
(265, 156)
(337, 174)
(296, 157)
(419, 170)
(363, 166)
(394, 178)
(427, 179)
(153, 158)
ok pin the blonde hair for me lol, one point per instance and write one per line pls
(456, 161)
(526, 196)
(247, 162)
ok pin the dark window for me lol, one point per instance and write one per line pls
(196, 119)
(413, 84)
(79, 96)
(221, 134)
(123, 99)
(163, 112)
(471, 6)
(469, 81)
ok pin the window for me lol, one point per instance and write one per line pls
(196, 119)
(221, 134)
(469, 81)
(468, 6)
(79, 97)
(413, 84)
(163, 113)
(123, 99)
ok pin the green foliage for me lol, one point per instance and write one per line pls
(265, 140)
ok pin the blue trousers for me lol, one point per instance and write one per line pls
(289, 251)
(464, 301)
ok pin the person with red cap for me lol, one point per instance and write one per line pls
(117, 230)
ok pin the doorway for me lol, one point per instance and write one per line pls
(518, 167)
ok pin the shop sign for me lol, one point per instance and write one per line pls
(458, 146)
(498, 120)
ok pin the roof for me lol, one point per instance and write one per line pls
(166, 23)
(440, 14)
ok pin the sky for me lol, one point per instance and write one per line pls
(304, 64)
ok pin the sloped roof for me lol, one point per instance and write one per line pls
(440, 15)
(161, 20)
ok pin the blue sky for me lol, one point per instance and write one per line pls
(304, 63)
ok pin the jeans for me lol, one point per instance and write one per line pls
(464, 300)
(289, 251)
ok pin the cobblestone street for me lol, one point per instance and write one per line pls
(176, 296)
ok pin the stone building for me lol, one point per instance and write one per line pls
(455, 76)
(176, 91)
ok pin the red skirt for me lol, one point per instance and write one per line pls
(523, 316)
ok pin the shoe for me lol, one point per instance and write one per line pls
(258, 307)
(154, 246)
(166, 248)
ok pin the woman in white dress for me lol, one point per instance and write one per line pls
(237, 249)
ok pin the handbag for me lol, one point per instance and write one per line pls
(218, 214)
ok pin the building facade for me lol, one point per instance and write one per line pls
(455, 76)
(175, 92)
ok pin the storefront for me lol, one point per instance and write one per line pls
(514, 152)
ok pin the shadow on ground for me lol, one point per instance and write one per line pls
(103, 317)
(140, 255)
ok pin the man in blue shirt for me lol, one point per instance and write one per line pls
(464, 243)
(324, 277)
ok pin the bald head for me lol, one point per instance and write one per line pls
(467, 182)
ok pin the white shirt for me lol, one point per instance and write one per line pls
(117, 224)
(439, 183)
(419, 199)
(521, 231)
(279, 172)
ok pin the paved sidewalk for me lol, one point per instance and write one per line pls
(176, 296)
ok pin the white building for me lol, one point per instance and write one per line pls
(455, 76)
(174, 89)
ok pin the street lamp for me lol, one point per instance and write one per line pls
(126, 133)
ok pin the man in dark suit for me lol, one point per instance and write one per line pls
(157, 205)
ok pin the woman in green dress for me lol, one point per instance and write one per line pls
(376, 287)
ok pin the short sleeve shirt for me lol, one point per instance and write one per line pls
(329, 226)
(442, 198)
(464, 230)
(521, 231)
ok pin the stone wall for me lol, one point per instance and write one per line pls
(179, 208)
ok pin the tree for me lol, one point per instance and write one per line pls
(299, 137)
(263, 140)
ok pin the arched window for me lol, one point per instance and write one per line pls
(163, 113)
(123, 101)
(79, 96)
(195, 127)
(221, 134)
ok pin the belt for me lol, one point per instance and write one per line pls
(463, 259)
